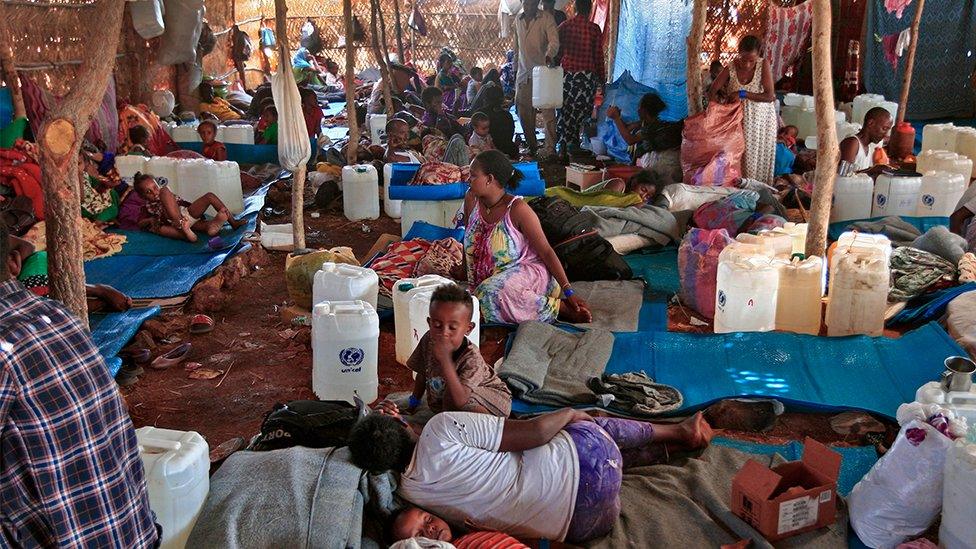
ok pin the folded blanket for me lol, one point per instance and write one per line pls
(550, 366)
(301, 497)
(635, 394)
(615, 304)
(687, 504)
(898, 231)
(939, 241)
(653, 222)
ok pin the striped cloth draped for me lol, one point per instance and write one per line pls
(786, 33)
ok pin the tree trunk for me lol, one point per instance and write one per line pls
(60, 139)
(298, 175)
(613, 23)
(695, 37)
(381, 58)
(9, 69)
(906, 79)
(350, 76)
(399, 31)
(827, 149)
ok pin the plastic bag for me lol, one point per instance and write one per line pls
(698, 268)
(902, 494)
(311, 40)
(184, 23)
(617, 148)
(707, 135)
(294, 148)
(207, 41)
(241, 47)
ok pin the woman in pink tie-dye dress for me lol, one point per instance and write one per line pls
(511, 267)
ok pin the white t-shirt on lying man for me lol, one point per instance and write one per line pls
(458, 473)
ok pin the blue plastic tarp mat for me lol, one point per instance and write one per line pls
(429, 232)
(402, 173)
(245, 154)
(855, 461)
(112, 331)
(805, 372)
(921, 223)
(146, 243)
(155, 277)
(658, 268)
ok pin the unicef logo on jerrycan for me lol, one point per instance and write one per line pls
(351, 359)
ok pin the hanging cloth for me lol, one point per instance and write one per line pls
(416, 20)
(294, 149)
(894, 45)
(786, 35)
(896, 7)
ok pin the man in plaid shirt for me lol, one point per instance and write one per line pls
(70, 471)
(581, 52)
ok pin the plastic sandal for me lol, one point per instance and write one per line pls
(174, 356)
(201, 324)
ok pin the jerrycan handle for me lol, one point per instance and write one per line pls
(171, 445)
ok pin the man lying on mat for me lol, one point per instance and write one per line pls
(556, 476)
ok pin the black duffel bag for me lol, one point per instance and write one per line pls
(308, 423)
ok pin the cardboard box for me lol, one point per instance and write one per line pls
(791, 498)
(582, 178)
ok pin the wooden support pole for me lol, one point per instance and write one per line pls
(695, 36)
(827, 150)
(350, 76)
(298, 175)
(613, 23)
(399, 31)
(60, 138)
(8, 67)
(906, 79)
(381, 58)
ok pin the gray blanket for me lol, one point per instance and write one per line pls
(296, 497)
(550, 366)
(686, 504)
(615, 304)
(899, 232)
(939, 241)
(652, 222)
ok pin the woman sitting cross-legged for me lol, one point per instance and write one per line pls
(166, 214)
(556, 476)
(512, 268)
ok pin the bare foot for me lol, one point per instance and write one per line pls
(188, 231)
(694, 433)
(236, 223)
(573, 316)
(215, 224)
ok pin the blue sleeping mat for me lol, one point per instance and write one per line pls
(402, 173)
(156, 276)
(245, 154)
(112, 331)
(658, 268)
(806, 372)
(146, 243)
(921, 223)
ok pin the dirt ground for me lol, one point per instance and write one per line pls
(259, 360)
